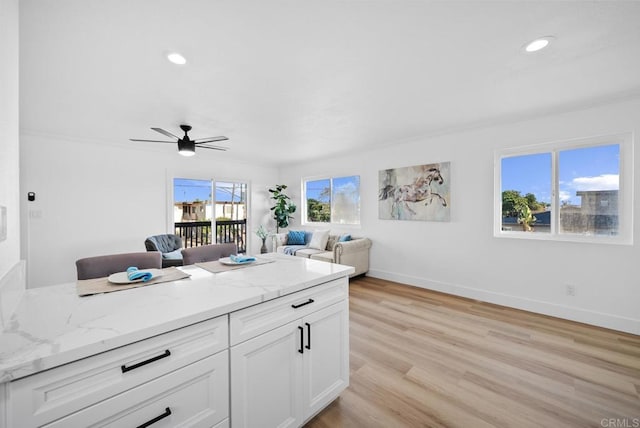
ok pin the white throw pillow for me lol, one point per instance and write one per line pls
(319, 239)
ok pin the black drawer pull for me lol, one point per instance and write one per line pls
(308, 345)
(167, 412)
(145, 362)
(302, 304)
(301, 350)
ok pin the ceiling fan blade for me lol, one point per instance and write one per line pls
(210, 139)
(152, 141)
(167, 133)
(223, 149)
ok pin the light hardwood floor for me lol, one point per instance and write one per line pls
(425, 359)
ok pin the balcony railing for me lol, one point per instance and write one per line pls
(196, 233)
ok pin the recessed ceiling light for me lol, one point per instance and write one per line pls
(537, 44)
(176, 58)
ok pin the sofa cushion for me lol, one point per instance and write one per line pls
(319, 240)
(308, 252)
(326, 256)
(296, 237)
(173, 255)
(344, 238)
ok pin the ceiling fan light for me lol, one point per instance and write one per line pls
(186, 148)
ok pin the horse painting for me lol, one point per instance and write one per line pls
(421, 195)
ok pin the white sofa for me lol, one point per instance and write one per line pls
(354, 252)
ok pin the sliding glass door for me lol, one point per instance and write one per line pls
(210, 211)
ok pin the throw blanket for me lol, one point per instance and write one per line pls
(291, 250)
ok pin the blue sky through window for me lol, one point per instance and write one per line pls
(346, 185)
(528, 174)
(188, 190)
(590, 168)
(315, 189)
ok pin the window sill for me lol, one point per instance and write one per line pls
(583, 239)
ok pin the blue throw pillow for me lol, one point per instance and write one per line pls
(295, 237)
(344, 238)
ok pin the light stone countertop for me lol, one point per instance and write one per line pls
(53, 326)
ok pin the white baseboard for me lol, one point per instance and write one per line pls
(600, 319)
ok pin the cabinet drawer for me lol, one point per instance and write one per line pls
(252, 321)
(194, 396)
(52, 394)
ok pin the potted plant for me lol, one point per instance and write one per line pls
(283, 207)
(262, 234)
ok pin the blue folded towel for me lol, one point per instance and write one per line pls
(134, 274)
(239, 258)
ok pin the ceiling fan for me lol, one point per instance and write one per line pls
(187, 146)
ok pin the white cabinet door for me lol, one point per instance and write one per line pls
(266, 390)
(285, 376)
(326, 356)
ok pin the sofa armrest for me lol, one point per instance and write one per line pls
(357, 244)
(353, 253)
(279, 240)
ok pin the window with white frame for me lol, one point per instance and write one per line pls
(210, 211)
(578, 190)
(332, 200)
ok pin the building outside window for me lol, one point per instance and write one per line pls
(210, 211)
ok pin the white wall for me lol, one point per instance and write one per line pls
(12, 283)
(462, 257)
(9, 129)
(94, 199)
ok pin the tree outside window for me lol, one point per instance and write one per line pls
(333, 200)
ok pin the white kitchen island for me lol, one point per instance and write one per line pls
(259, 346)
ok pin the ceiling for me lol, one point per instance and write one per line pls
(289, 81)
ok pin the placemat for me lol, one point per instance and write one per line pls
(217, 267)
(87, 287)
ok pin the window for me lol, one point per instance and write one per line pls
(197, 202)
(578, 190)
(332, 200)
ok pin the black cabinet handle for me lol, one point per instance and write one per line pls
(302, 304)
(145, 362)
(308, 335)
(301, 350)
(167, 412)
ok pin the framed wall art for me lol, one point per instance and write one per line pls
(420, 192)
